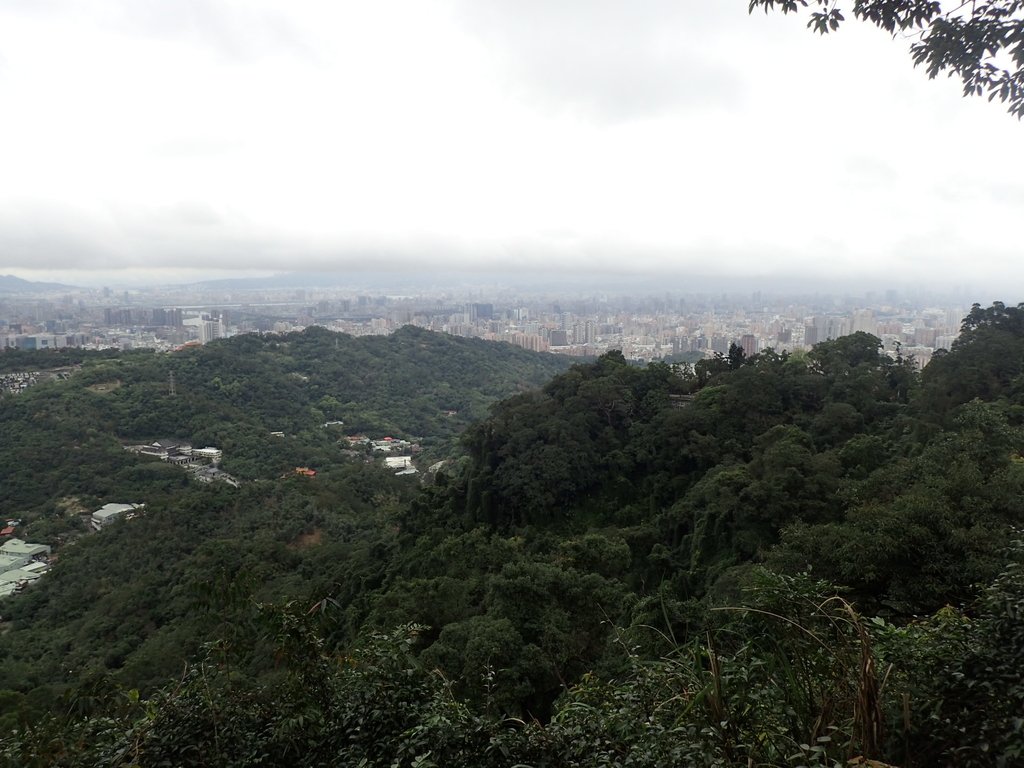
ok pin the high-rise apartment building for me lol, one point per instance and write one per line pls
(210, 330)
(749, 343)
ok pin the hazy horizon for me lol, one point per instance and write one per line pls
(488, 286)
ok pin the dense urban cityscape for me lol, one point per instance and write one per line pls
(673, 327)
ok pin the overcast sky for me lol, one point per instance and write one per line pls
(173, 137)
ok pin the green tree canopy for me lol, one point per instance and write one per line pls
(982, 43)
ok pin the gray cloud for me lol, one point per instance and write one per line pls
(238, 32)
(202, 154)
(611, 61)
(194, 237)
(51, 237)
(54, 236)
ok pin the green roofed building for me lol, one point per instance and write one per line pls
(18, 576)
(10, 562)
(12, 581)
(19, 548)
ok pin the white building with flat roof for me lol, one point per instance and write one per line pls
(213, 454)
(108, 513)
(19, 548)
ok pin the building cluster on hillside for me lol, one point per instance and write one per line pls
(21, 562)
(392, 445)
(14, 383)
(201, 463)
(112, 512)
(401, 464)
(399, 453)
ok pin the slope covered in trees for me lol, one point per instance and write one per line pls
(127, 599)
(63, 439)
(794, 676)
(636, 498)
(638, 566)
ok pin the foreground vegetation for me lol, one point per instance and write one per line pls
(794, 677)
(787, 559)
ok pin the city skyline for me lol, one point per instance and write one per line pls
(662, 140)
(676, 327)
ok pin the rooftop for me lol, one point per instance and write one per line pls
(10, 561)
(17, 547)
(113, 509)
(18, 574)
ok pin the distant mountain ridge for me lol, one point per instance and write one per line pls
(12, 284)
(356, 278)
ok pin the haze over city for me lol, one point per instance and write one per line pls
(663, 141)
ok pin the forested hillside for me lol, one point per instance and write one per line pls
(125, 600)
(64, 439)
(785, 559)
